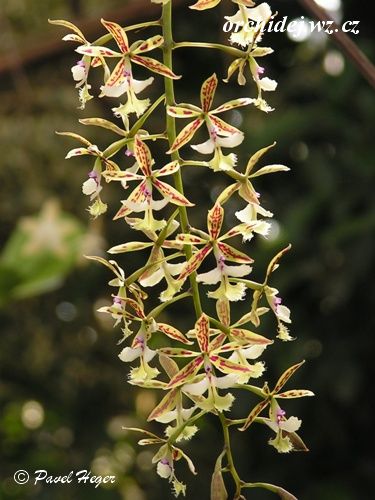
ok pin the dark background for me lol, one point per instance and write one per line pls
(63, 391)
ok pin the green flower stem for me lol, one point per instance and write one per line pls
(253, 389)
(155, 312)
(241, 421)
(250, 284)
(133, 277)
(118, 145)
(171, 132)
(218, 46)
(174, 436)
(106, 38)
(219, 325)
(228, 450)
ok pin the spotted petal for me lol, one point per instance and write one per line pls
(286, 376)
(96, 51)
(168, 169)
(186, 134)
(181, 112)
(149, 44)
(143, 156)
(254, 413)
(173, 333)
(70, 26)
(233, 255)
(118, 34)
(248, 337)
(235, 103)
(172, 194)
(155, 66)
(205, 4)
(226, 366)
(202, 332)
(166, 404)
(208, 92)
(121, 175)
(215, 220)
(137, 196)
(187, 372)
(195, 261)
(223, 127)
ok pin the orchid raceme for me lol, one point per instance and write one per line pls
(202, 362)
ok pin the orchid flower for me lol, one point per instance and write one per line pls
(211, 241)
(249, 57)
(139, 347)
(282, 426)
(221, 134)
(170, 407)
(140, 199)
(121, 79)
(270, 398)
(249, 215)
(157, 267)
(165, 459)
(92, 186)
(208, 358)
(251, 22)
(80, 71)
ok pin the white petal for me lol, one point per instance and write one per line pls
(227, 381)
(159, 204)
(210, 278)
(205, 148)
(232, 141)
(197, 388)
(89, 187)
(292, 424)
(247, 215)
(175, 269)
(253, 352)
(262, 211)
(235, 292)
(283, 313)
(164, 470)
(262, 227)
(153, 278)
(139, 85)
(237, 271)
(148, 354)
(79, 73)
(267, 84)
(167, 417)
(114, 90)
(259, 14)
(130, 354)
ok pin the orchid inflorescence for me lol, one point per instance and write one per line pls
(193, 370)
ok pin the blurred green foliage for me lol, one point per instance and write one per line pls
(63, 392)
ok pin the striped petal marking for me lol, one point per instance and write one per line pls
(208, 90)
(202, 331)
(215, 220)
(194, 263)
(188, 371)
(118, 34)
(143, 156)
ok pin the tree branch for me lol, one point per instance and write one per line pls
(346, 44)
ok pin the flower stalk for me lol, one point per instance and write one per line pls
(194, 370)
